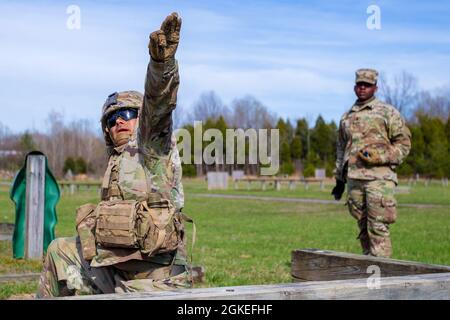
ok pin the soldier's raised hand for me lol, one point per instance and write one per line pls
(164, 42)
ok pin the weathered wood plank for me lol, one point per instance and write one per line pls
(322, 265)
(34, 207)
(419, 287)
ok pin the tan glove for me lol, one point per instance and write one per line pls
(376, 154)
(164, 42)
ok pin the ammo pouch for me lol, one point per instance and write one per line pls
(150, 226)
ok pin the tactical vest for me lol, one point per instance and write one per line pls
(127, 183)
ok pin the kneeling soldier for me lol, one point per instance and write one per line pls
(133, 240)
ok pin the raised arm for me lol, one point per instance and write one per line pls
(161, 87)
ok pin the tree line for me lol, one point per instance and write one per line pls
(75, 145)
(304, 145)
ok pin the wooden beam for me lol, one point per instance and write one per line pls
(430, 286)
(322, 265)
(34, 207)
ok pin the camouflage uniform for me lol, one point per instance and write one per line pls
(379, 126)
(148, 166)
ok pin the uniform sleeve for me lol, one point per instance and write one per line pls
(340, 151)
(400, 138)
(177, 187)
(160, 98)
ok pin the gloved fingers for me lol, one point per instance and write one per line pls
(155, 38)
(157, 45)
(338, 190)
(174, 34)
(166, 24)
(171, 27)
(162, 41)
(174, 24)
(337, 194)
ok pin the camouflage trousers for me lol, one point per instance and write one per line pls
(373, 205)
(66, 273)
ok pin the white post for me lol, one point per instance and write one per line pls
(292, 185)
(277, 185)
(34, 207)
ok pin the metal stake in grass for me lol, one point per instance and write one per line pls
(34, 207)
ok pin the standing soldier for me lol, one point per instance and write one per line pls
(134, 239)
(373, 140)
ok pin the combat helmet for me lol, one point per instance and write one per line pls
(119, 100)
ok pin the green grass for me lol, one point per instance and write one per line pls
(243, 242)
(434, 193)
(11, 289)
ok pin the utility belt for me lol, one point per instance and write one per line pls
(153, 227)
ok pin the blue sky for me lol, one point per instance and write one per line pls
(297, 57)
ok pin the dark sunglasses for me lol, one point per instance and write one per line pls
(125, 114)
(365, 84)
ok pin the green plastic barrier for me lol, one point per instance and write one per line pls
(18, 195)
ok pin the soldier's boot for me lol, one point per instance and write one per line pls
(66, 273)
(364, 236)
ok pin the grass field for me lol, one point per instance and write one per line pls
(249, 241)
(434, 193)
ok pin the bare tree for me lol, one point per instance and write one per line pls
(248, 112)
(79, 138)
(401, 92)
(435, 104)
(4, 134)
(208, 106)
(52, 143)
